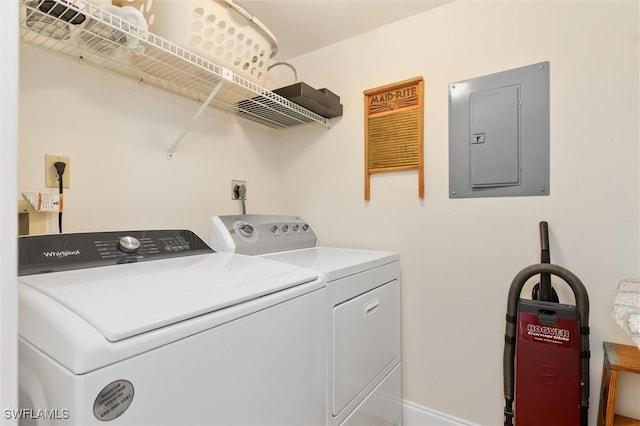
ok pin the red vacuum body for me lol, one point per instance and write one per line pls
(546, 353)
(548, 382)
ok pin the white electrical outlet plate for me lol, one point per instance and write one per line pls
(234, 184)
(51, 174)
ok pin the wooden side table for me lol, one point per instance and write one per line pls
(617, 358)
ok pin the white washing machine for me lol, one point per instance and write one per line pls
(363, 311)
(155, 328)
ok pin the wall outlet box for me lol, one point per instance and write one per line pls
(51, 174)
(238, 189)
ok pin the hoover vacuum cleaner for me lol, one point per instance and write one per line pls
(546, 351)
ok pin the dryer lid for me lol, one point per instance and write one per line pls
(335, 263)
(121, 301)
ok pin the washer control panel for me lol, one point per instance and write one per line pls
(261, 234)
(39, 254)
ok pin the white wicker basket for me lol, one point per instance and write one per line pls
(219, 30)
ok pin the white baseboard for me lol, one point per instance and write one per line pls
(417, 415)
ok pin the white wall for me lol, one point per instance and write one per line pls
(459, 256)
(117, 133)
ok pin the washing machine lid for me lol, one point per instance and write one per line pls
(335, 263)
(121, 301)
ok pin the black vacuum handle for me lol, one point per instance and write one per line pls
(545, 255)
(546, 292)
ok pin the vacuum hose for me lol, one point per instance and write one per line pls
(582, 304)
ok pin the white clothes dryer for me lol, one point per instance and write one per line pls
(363, 311)
(155, 328)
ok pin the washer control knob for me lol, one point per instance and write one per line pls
(295, 227)
(246, 230)
(285, 228)
(128, 245)
(305, 227)
(273, 229)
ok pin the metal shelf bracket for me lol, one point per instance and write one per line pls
(227, 75)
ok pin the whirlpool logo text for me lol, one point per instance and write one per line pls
(62, 253)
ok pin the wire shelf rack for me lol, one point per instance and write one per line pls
(95, 36)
